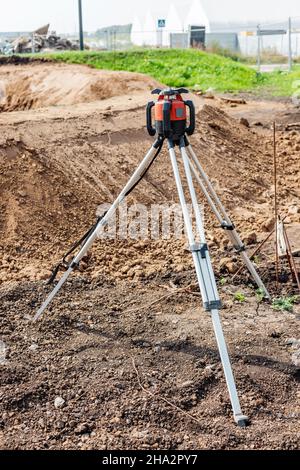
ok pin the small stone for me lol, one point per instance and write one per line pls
(33, 347)
(187, 383)
(209, 94)
(244, 122)
(82, 428)
(59, 402)
(226, 264)
(224, 261)
(275, 334)
(116, 420)
(296, 358)
(139, 434)
(250, 238)
(211, 366)
(268, 224)
(60, 424)
(292, 342)
(294, 210)
(22, 193)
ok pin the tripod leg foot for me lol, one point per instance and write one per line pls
(241, 420)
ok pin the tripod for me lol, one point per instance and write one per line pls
(170, 124)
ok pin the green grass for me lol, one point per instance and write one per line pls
(283, 83)
(190, 67)
(239, 297)
(284, 303)
(173, 67)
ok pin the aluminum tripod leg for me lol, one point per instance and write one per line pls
(205, 276)
(223, 218)
(135, 177)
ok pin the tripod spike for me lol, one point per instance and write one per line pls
(52, 294)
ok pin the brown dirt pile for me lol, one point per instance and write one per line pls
(38, 85)
(52, 187)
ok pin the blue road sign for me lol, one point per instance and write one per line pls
(161, 23)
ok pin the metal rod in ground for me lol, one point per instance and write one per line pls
(275, 205)
(257, 250)
(291, 258)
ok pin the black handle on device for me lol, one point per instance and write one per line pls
(151, 130)
(167, 118)
(191, 129)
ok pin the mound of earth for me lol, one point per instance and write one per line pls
(56, 171)
(41, 85)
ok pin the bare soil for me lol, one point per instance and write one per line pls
(132, 316)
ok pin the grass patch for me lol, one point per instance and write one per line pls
(188, 67)
(239, 297)
(283, 83)
(284, 303)
(174, 67)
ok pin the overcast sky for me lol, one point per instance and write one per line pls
(27, 15)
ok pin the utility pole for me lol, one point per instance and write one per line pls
(81, 42)
(32, 43)
(290, 44)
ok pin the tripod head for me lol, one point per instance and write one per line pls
(170, 114)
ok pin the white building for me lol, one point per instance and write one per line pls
(217, 16)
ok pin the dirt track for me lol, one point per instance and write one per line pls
(57, 163)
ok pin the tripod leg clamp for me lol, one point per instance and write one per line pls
(74, 265)
(239, 249)
(201, 248)
(226, 226)
(212, 305)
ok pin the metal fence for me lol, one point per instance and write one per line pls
(278, 42)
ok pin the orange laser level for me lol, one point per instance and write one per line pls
(170, 114)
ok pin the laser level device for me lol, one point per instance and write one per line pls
(170, 114)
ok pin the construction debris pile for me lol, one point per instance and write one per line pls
(42, 40)
(41, 43)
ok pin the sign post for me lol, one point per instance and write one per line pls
(161, 23)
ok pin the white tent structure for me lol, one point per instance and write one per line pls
(217, 16)
(145, 31)
(174, 24)
(235, 15)
(137, 31)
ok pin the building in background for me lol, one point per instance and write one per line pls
(137, 36)
(198, 23)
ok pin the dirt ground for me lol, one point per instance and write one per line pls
(128, 331)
